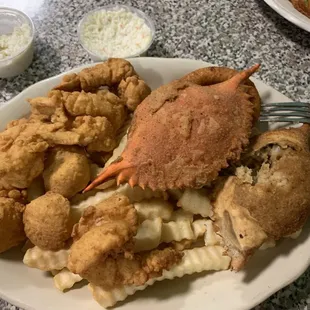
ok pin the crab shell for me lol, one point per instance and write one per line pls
(184, 133)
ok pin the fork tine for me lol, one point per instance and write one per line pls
(275, 113)
(285, 119)
(287, 112)
(286, 104)
(271, 109)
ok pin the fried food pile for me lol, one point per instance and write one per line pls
(203, 192)
(76, 122)
(303, 6)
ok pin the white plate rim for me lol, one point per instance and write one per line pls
(14, 101)
(292, 15)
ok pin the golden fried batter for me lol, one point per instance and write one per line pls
(102, 103)
(18, 195)
(52, 134)
(48, 109)
(67, 170)
(214, 75)
(241, 233)
(280, 193)
(96, 244)
(22, 162)
(270, 196)
(96, 133)
(133, 91)
(115, 208)
(11, 223)
(107, 73)
(99, 257)
(47, 221)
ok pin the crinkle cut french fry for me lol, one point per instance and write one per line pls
(148, 235)
(176, 231)
(46, 260)
(65, 279)
(199, 227)
(181, 215)
(154, 208)
(153, 232)
(194, 260)
(134, 194)
(211, 237)
(196, 202)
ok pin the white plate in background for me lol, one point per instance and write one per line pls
(286, 9)
(267, 272)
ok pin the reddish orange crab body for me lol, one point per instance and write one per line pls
(183, 134)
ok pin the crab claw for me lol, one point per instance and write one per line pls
(236, 80)
(121, 169)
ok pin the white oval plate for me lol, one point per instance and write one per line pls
(267, 272)
(287, 10)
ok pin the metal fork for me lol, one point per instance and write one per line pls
(294, 112)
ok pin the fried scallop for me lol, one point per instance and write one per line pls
(67, 170)
(47, 221)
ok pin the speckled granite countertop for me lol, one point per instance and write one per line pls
(231, 33)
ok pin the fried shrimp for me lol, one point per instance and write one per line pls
(107, 73)
(133, 91)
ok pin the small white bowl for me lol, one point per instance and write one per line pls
(15, 64)
(95, 57)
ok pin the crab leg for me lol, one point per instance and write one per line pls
(121, 169)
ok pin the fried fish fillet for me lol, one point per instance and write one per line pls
(102, 251)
